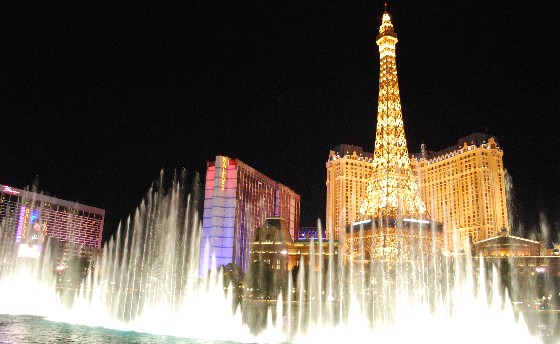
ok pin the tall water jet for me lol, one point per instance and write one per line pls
(391, 280)
(147, 280)
(147, 277)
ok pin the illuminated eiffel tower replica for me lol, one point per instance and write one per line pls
(393, 217)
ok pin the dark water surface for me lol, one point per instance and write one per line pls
(33, 329)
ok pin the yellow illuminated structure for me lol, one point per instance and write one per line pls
(348, 170)
(392, 190)
(506, 246)
(464, 188)
(393, 226)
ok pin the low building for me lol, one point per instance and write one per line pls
(505, 245)
(389, 241)
(273, 245)
(529, 271)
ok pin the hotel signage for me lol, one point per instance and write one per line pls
(9, 190)
(224, 172)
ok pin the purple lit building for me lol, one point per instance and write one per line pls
(237, 200)
(308, 233)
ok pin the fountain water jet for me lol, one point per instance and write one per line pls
(147, 280)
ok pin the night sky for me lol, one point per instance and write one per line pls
(97, 97)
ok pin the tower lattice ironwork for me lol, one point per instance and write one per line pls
(392, 190)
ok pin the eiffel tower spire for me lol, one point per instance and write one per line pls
(392, 190)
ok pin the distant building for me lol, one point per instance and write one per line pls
(273, 245)
(307, 233)
(271, 242)
(237, 199)
(506, 246)
(528, 269)
(463, 187)
(29, 219)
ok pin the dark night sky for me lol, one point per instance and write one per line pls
(96, 97)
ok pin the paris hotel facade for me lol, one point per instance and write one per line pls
(462, 186)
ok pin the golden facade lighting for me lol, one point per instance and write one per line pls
(392, 190)
(464, 188)
(348, 170)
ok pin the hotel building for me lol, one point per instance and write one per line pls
(463, 187)
(348, 170)
(28, 219)
(237, 199)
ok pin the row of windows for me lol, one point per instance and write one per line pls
(259, 197)
(59, 224)
(460, 199)
(13, 202)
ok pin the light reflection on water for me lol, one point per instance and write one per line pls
(34, 329)
(544, 325)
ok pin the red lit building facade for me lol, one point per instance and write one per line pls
(237, 199)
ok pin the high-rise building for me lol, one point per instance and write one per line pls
(464, 187)
(237, 199)
(28, 219)
(348, 171)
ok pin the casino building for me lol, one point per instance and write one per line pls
(237, 199)
(29, 219)
(464, 187)
(348, 170)
(460, 189)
